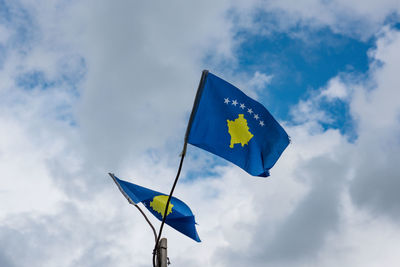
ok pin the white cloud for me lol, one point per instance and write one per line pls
(116, 96)
(259, 82)
(4, 34)
(26, 185)
(383, 99)
(353, 18)
(378, 113)
(308, 111)
(335, 90)
(350, 205)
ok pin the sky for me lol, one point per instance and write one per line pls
(90, 87)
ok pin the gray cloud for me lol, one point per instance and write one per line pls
(142, 80)
(5, 260)
(338, 15)
(376, 182)
(73, 236)
(119, 101)
(366, 169)
(302, 233)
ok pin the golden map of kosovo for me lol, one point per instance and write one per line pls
(239, 131)
(158, 204)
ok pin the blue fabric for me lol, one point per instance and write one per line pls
(181, 218)
(221, 102)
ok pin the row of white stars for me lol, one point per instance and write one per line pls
(242, 106)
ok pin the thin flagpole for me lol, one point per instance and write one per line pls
(134, 204)
(195, 106)
(183, 153)
(148, 221)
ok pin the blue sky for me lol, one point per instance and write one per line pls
(302, 61)
(91, 87)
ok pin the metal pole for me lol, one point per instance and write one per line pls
(134, 204)
(194, 109)
(162, 259)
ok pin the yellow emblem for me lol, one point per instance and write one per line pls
(159, 203)
(239, 131)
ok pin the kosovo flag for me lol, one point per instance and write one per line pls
(179, 215)
(228, 123)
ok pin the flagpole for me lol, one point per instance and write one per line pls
(134, 204)
(163, 257)
(183, 153)
(194, 109)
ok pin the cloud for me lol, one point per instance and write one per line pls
(346, 183)
(266, 17)
(141, 59)
(335, 90)
(83, 95)
(378, 113)
(95, 86)
(299, 208)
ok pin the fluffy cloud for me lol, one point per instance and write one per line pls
(363, 171)
(378, 113)
(96, 86)
(347, 17)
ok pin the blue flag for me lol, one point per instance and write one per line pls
(179, 215)
(230, 124)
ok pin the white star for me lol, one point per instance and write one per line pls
(242, 106)
(249, 110)
(262, 123)
(234, 102)
(256, 117)
(226, 100)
